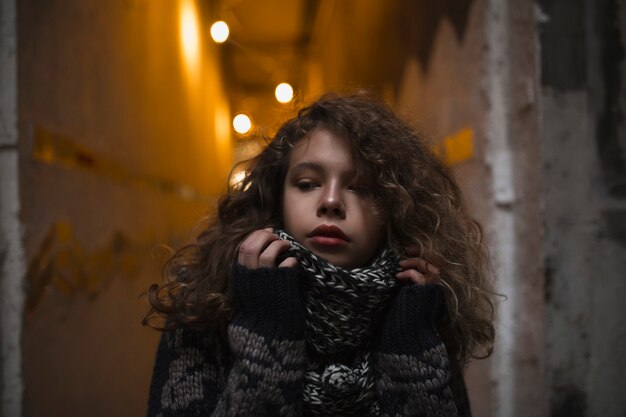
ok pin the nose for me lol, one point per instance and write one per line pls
(331, 203)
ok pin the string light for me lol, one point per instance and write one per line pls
(219, 31)
(242, 123)
(283, 93)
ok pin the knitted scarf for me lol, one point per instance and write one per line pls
(341, 308)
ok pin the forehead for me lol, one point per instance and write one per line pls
(322, 147)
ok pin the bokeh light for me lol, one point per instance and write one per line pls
(242, 123)
(283, 93)
(219, 31)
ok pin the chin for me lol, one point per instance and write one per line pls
(335, 260)
(340, 262)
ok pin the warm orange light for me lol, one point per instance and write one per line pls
(189, 33)
(283, 93)
(219, 31)
(242, 124)
(222, 123)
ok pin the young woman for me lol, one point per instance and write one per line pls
(342, 277)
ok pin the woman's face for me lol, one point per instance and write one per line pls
(325, 207)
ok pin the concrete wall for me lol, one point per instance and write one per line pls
(12, 265)
(123, 143)
(512, 86)
(584, 199)
(542, 88)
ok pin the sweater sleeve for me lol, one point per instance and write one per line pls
(413, 371)
(263, 371)
(189, 374)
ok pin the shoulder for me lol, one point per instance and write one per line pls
(185, 342)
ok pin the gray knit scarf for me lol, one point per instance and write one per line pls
(341, 308)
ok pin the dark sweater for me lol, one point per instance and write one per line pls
(259, 370)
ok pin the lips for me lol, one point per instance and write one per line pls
(328, 235)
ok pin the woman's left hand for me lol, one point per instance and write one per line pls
(417, 270)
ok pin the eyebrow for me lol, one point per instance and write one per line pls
(308, 165)
(317, 168)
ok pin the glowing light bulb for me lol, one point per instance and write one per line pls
(283, 93)
(219, 31)
(242, 124)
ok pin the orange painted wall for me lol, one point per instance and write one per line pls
(124, 143)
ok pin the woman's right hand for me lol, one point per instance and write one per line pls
(261, 248)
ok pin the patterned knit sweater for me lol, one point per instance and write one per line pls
(260, 369)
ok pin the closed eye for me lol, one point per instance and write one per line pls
(306, 185)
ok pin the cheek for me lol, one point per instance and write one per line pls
(290, 209)
(286, 211)
(375, 221)
(371, 212)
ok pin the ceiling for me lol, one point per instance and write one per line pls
(268, 42)
(321, 45)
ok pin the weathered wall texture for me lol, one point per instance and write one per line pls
(545, 100)
(516, 174)
(584, 193)
(124, 140)
(12, 265)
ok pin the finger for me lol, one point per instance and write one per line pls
(421, 265)
(289, 263)
(412, 251)
(252, 246)
(415, 252)
(413, 276)
(267, 258)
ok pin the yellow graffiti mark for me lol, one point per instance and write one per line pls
(458, 147)
(52, 148)
(62, 264)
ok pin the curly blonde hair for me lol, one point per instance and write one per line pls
(424, 208)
